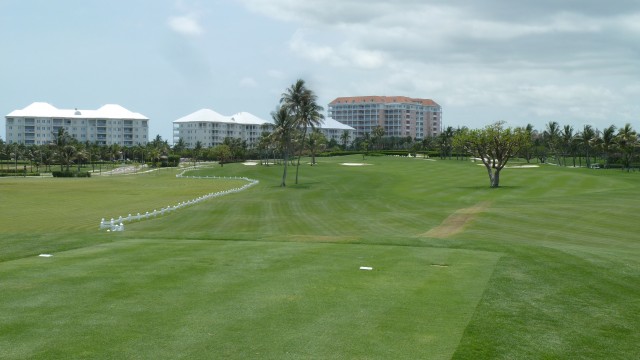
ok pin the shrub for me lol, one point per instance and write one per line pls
(70, 174)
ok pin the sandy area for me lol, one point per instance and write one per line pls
(455, 222)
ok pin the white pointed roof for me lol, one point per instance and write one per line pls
(109, 111)
(329, 123)
(202, 115)
(245, 118)
(208, 115)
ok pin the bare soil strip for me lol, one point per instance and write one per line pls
(456, 222)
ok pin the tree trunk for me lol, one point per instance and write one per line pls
(495, 179)
(304, 134)
(284, 173)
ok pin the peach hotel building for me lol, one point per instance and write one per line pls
(400, 116)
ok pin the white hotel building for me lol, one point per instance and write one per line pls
(38, 124)
(211, 128)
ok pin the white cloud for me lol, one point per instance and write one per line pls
(248, 82)
(534, 59)
(345, 54)
(276, 74)
(185, 25)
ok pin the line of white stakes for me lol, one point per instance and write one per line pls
(118, 224)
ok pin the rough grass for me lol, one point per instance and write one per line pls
(549, 270)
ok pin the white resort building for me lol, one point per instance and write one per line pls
(38, 124)
(211, 128)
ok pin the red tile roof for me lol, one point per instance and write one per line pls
(382, 99)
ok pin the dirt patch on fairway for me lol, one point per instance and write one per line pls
(456, 222)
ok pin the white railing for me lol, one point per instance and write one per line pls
(118, 224)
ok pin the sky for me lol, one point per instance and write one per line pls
(576, 62)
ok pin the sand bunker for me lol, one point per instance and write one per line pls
(354, 164)
(250, 163)
(455, 222)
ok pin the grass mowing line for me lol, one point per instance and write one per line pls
(240, 300)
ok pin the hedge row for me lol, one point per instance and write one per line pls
(70, 174)
(21, 173)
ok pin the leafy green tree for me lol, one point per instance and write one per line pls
(222, 153)
(494, 145)
(237, 146)
(528, 149)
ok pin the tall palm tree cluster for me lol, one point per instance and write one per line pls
(564, 146)
(297, 112)
(567, 147)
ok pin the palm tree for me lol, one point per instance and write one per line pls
(627, 140)
(82, 155)
(282, 134)
(3, 148)
(316, 141)
(264, 142)
(377, 134)
(551, 137)
(179, 147)
(567, 138)
(196, 151)
(445, 141)
(302, 104)
(586, 138)
(345, 139)
(66, 156)
(608, 141)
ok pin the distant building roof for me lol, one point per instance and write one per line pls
(109, 111)
(382, 99)
(208, 115)
(329, 123)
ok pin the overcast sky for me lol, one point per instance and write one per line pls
(528, 61)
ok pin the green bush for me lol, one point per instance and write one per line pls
(70, 174)
(337, 153)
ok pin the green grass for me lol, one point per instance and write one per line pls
(549, 270)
